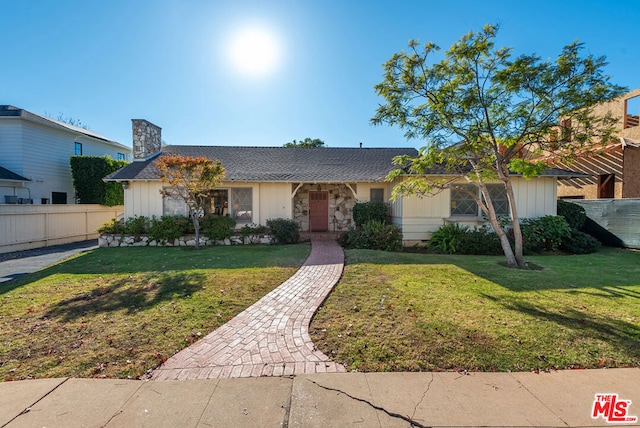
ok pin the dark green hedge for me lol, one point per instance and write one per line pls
(88, 172)
(364, 212)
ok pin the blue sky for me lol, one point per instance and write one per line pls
(106, 62)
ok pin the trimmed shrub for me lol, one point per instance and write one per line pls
(580, 243)
(574, 214)
(546, 233)
(217, 227)
(480, 240)
(168, 228)
(136, 226)
(87, 173)
(352, 238)
(373, 235)
(113, 227)
(447, 239)
(364, 212)
(283, 231)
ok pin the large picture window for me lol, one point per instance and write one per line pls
(463, 203)
(242, 204)
(499, 198)
(236, 202)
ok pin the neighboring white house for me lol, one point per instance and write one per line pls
(35, 152)
(317, 187)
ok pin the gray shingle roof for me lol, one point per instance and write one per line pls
(293, 164)
(5, 174)
(282, 164)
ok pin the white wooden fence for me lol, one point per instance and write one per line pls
(23, 227)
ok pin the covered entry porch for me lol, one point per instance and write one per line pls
(323, 207)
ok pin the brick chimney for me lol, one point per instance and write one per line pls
(147, 139)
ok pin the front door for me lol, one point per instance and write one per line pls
(319, 211)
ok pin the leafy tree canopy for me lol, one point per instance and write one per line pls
(190, 179)
(307, 142)
(487, 115)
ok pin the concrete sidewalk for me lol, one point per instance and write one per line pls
(445, 399)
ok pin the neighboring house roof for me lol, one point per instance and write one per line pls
(7, 175)
(294, 164)
(13, 112)
(561, 173)
(594, 149)
(282, 164)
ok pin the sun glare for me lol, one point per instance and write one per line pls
(254, 51)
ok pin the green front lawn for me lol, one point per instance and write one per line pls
(414, 312)
(116, 312)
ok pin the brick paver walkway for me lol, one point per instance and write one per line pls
(270, 338)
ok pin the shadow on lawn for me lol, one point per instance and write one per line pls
(142, 260)
(570, 272)
(121, 294)
(621, 335)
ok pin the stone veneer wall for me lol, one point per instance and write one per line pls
(341, 202)
(147, 138)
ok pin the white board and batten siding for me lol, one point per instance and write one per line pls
(269, 200)
(420, 217)
(274, 201)
(143, 198)
(536, 197)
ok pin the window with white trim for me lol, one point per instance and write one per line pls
(463, 203)
(499, 198)
(242, 204)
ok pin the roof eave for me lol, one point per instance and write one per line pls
(42, 120)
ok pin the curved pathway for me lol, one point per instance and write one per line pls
(270, 338)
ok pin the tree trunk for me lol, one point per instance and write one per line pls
(517, 231)
(196, 227)
(512, 260)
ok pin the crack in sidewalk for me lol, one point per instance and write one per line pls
(415, 409)
(539, 400)
(28, 409)
(382, 409)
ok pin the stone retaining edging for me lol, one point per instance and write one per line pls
(109, 240)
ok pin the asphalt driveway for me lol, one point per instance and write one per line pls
(14, 265)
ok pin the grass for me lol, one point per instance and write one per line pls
(117, 312)
(418, 312)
